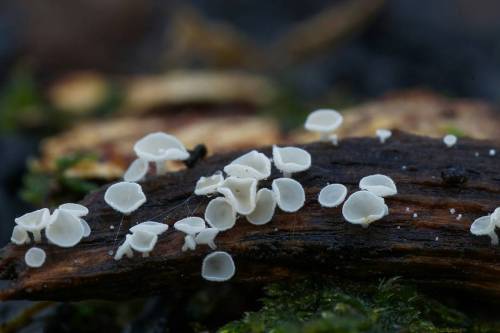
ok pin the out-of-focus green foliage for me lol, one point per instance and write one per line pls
(323, 306)
(38, 186)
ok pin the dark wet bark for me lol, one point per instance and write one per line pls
(434, 249)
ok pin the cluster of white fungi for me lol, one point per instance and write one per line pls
(234, 193)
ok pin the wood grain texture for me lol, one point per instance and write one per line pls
(434, 249)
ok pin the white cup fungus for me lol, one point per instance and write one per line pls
(220, 214)
(380, 185)
(363, 208)
(264, 208)
(241, 193)
(290, 160)
(218, 267)
(209, 185)
(136, 171)
(250, 165)
(332, 195)
(35, 257)
(34, 222)
(450, 140)
(289, 194)
(324, 122)
(383, 134)
(65, 229)
(125, 197)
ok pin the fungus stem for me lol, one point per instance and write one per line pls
(37, 236)
(494, 238)
(161, 168)
(145, 254)
(324, 137)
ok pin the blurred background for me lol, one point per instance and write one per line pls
(82, 80)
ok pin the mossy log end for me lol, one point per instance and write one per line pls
(434, 248)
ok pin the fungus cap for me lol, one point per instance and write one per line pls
(157, 147)
(75, 209)
(251, 165)
(332, 195)
(34, 221)
(208, 185)
(125, 197)
(35, 257)
(65, 229)
(240, 193)
(380, 185)
(218, 267)
(207, 237)
(291, 159)
(220, 214)
(124, 249)
(19, 236)
(383, 134)
(289, 194)
(190, 225)
(150, 226)
(363, 208)
(143, 241)
(450, 140)
(482, 226)
(264, 208)
(136, 171)
(323, 120)
(85, 227)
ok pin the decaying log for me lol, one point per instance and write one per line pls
(434, 248)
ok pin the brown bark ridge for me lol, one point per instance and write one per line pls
(434, 248)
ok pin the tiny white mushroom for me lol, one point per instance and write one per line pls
(124, 249)
(220, 214)
(251, 165)
(190, 225)
(189, 243)
(125, 197)
(35, 257)
(264, 208)
(289, 194)
(383, 134)
(380, 185)
(209, 185)
(65, 229)
(207, 237)
(485, 226)
(291, 160)
(323, 121)
(332, 195)
(136, 171)
(143, 242)
(450, 140)
(75, 209)
(34, 222)
(334, 139)
(363, 208)
(85, 227)
(492, 152)
(218, 267)
(241, 193)
(160, 147)
(150, 226)
(19, 236)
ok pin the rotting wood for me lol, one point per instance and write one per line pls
(434, 249)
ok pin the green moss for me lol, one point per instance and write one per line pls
(323, 306)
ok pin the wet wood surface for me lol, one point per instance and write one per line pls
(420, 240)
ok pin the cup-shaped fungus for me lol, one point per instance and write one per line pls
(136, 171)
(251, 165)
(291, 159)
(363, 208)
(143, 242)
(125, 197)
(209, 185)
(264, 208)
(207, 237)
(383, 134)
(324, 122)
(220, 214)
(380, 185)
(190, 225)
(65, 229)
(485, 226)
(34, 222)
(189, 243)
(241, 193)
(332, 195)
(159, 148)
(19, 236)
(450, 140)
(150, 226)
(35, 257)
(289, 194)
(218, 267)
(124, 249)
(75, 209)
